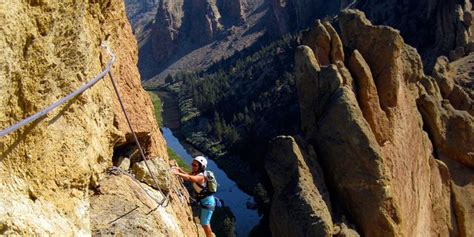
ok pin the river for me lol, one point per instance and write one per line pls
(228, 191)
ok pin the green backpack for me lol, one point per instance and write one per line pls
(211, 185)
(211, 182)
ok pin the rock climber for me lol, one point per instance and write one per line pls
(206, 200)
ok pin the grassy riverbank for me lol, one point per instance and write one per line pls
(158, 106)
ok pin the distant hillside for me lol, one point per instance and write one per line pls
(189, 36)
(176, 36)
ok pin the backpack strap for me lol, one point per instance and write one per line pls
(200, 185)
(204, 190)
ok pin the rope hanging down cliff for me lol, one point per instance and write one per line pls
(75, 93)
(135, 135)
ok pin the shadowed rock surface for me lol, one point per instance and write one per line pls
(395, 152)
(298, 207)
(434, 27)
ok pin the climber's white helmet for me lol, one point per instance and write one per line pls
(202, 160)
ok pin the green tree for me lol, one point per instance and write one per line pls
(231, 135)
(218, 128)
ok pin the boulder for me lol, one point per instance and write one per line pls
(121, 206)
(162, 174)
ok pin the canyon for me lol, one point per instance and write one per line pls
(377, 154)
(357, 122)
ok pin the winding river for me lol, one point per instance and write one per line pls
(228, 191)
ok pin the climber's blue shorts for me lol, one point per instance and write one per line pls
(207, 208)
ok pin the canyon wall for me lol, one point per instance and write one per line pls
(434, 27)
(394, 145)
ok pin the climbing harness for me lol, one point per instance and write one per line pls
(165, 201)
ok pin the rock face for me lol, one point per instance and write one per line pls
(297, 14)
(203, 21)
(190, 36)
(166, 28)
(120, 195)
(447, 111)
(49, 168)
(395, 150)
(232, 10)
(140, 13)
(434, 27)
(298, 207)
(183, 24)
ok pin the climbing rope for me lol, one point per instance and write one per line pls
(165, 198)
(75, 93)
(181, 191)
(45, 111)
(116, 171)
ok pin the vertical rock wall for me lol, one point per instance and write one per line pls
(297, 14)
(434, 27)
(184, 24)
(49, 49)
(394, 144)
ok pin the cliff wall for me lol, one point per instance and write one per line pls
(52, 170)
(383, 133)
(434, 27)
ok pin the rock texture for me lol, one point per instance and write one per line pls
(447, 111)
(181, 24)
(180, 27)
(140, 15)
(298, 207)
(167, 27)
(233, 10)
(396, 151)
(298, 14)
(434, 27)
(49, 168)
(121, 195)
